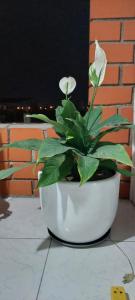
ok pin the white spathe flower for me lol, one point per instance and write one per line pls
(98, 68)
(67, 85)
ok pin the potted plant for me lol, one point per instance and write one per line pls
(80, 179)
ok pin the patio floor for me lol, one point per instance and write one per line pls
(33, 267)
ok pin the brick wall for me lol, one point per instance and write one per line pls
(23, 182)
(113, 24)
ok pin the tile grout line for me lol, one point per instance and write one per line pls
(43, 271)
(119, 241)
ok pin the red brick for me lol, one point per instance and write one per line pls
(27, 173)
(16, 187)
(121, 136)
(112, 9)
(112, 95)
(112, 75)
(115, 52)
(3, 136)
(124, 190)
(129, 30)
(4, 155)
(126, 112)
(105, 30)
(4, 165)
(19, 155)
(15, 155)
(108, 112)
(20, 187)
(35, 189)
(128, 74)
(17, 134)
(4, 191)
(51, 133)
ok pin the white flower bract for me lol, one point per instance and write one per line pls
(67, 85)
(98, 68)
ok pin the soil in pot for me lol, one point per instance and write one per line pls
(99, 175)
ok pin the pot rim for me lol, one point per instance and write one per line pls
(116, 175)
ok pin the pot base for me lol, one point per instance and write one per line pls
(79, 245)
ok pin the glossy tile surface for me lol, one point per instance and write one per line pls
(21, 267)
(77, 274)
(22, 217)
(32, 267)
(123, 228)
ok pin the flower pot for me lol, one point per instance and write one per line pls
(81, 215)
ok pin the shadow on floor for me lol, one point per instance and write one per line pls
(127, 297)
(123, 227)
(4, 209)
(46, 243)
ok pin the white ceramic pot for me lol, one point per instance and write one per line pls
(81, 214)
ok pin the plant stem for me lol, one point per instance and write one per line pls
(93, 97)
(67, 92)
(92, 102)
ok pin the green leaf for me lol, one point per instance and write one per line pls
(108, 164)
(51, 147)
(94, 144)
(66, 167)
(40, 117)
(131, 126)
(115, 152)
(58, 127)
(92, 118)
(125, 172)
(51, 173)
(30, 144)
(69, 109)
(115, 120)
(58, 112)
(96, 140)
(56, 169)
(80, 119)
(75, 134)
(87, 166)
(128, 277)
(8, 172)
(102, 143)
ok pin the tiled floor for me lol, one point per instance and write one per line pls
(33, 267)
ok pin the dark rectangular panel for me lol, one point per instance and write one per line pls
(41, 42)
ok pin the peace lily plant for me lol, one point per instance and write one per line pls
(79, 152)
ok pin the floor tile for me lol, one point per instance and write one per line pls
(21, 266)
(83, 274)
(129, 250)
(123, 228)
(22, 218)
